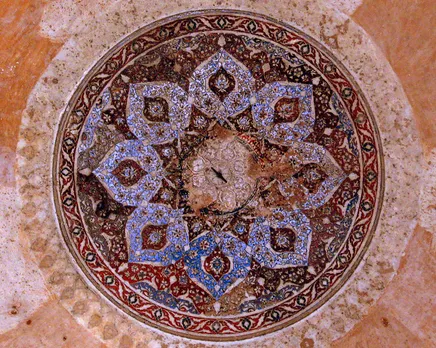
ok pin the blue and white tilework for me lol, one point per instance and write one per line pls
(260, 239)
(303, 153)
(158, 132)
(207, 101)
(148, 160)
(176, 234)
(263, 112)
(231, 247)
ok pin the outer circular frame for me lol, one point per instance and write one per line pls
(72, 232)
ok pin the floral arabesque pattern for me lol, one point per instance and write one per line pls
(177, 107)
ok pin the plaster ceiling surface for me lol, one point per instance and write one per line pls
(202, 173)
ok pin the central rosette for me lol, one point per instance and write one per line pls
(217, 173)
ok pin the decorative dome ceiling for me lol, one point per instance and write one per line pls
(218, 175)
(185, 175)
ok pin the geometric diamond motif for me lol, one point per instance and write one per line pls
(277, 102)
(315, 175)
(128, 172)
(221, 86)
(218, 261)
(157, 234)
(131, 171)
(273, 251)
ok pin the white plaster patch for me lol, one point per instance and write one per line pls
(427, 215)
(22, 288)
(346, 6)
(6, 170)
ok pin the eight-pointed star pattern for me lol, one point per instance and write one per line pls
(158, 113)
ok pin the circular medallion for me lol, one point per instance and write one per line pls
(218, 175)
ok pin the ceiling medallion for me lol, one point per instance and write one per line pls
(218, 175)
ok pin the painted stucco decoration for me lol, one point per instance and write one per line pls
(218, 175)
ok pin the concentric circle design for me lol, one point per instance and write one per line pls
(218, 175)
